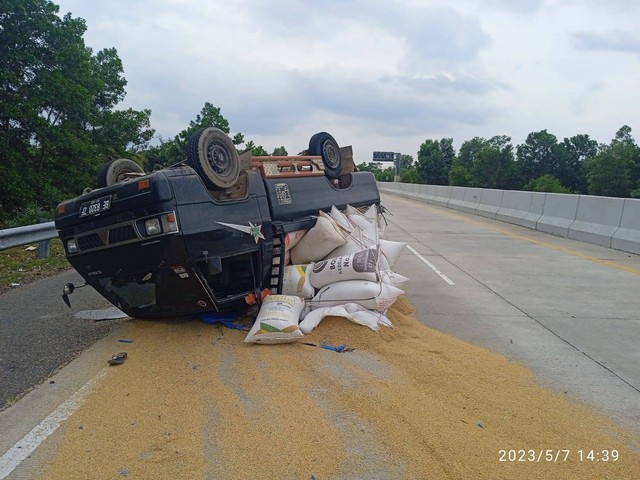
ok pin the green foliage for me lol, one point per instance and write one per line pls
(209, 116)
(541, 154)
(614, 171)
(579, 149)
(386, 175)
(406, 162)
(459, 176)
(259, 151)
(409, 175)
(469, 152)
(434, 160)
(28, 215)
(372, 167)
(57, 100)
(495, 166)
(279, 152)
(546, 183)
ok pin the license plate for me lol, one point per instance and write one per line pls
(95, 206)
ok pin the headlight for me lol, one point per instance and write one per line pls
(72, 246)
(152, 226)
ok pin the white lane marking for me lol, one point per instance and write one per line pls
(21, 450)
(430, 265)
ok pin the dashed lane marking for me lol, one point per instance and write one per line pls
(430, 265)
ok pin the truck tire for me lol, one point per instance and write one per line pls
(115, 171)
(325, 145)
(213, 155)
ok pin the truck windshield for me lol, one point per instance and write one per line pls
(131, 293)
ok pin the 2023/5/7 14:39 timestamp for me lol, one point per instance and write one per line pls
(555, 455)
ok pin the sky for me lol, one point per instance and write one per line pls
(378, 75)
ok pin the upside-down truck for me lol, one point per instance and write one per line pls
(205, 234)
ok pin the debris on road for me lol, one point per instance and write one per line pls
(118, 358)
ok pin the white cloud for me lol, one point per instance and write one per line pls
(381, 75)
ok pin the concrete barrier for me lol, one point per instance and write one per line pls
(438, 194)
(471, 199)
(490, 201)
(627, 237)
(559, 213)
(516, 208)
(456, 198)
(537, 207)
(421, 191)
(606, 221)
(597, 219)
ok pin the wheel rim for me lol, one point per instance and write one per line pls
(330, 155)
(218, 158)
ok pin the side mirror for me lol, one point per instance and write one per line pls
(67, 290)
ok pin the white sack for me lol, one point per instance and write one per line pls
(352, 245)
(295, 281)
(356, 266)
(341, 219)
(361, 221)
(371, 213)
(291, 239)
(392, 278)
(351, 311)
(371, 295)
(319, 241)
(391, 250)
(277, 320)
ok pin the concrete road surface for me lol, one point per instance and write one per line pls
(567, 309)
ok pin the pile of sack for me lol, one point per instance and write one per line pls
(340, 267)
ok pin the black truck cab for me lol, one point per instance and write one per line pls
(164, 244)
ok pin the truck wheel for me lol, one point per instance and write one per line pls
(326, 146)
(115, 171)
(213, 155)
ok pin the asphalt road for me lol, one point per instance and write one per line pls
(39, 334)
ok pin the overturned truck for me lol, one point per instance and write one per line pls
(208, 233)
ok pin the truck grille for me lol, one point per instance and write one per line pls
(89, 241)
(121, 234)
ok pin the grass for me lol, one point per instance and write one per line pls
(21, 264)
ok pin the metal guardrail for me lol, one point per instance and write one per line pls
(41, 232)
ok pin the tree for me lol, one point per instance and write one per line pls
(612, 172)
(372, 167)
(579, 148)
(280, 151)
(460, 171)
(386, 175)
(209, 116)
(541, 154)
(494, 165)
(409, 175)
(434, 160)
(459, 176)
(546, 183)
(258, 151)
(469, 151)
(406, 161)
(58, 121)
